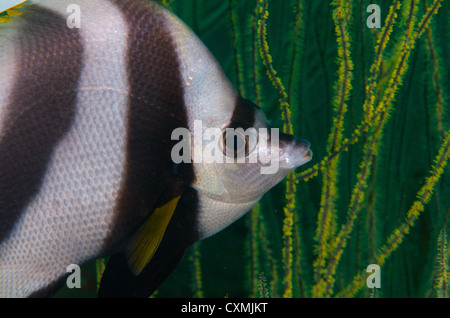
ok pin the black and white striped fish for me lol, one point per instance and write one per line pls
(86, 167)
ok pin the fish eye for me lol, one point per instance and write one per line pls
(237, 143)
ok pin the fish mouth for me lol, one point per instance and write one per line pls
(297, 153)
(308, 155)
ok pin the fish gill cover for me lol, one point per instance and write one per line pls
(374, 103)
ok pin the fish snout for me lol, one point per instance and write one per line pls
(294, 152)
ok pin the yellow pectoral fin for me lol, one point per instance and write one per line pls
(145, 242)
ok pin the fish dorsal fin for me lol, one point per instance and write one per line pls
(146, 240)
(9, 13)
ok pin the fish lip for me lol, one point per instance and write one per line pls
(308, 155)
(294, 158)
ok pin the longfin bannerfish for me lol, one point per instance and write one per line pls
(86, 167)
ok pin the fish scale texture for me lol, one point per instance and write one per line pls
(70, 216)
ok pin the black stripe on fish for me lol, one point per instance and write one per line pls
(243, 114)
(41, 110)
(156, 108)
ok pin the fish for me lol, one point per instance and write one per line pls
(120, 137)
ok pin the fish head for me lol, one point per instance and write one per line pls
(249, 156)
(236, 155)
